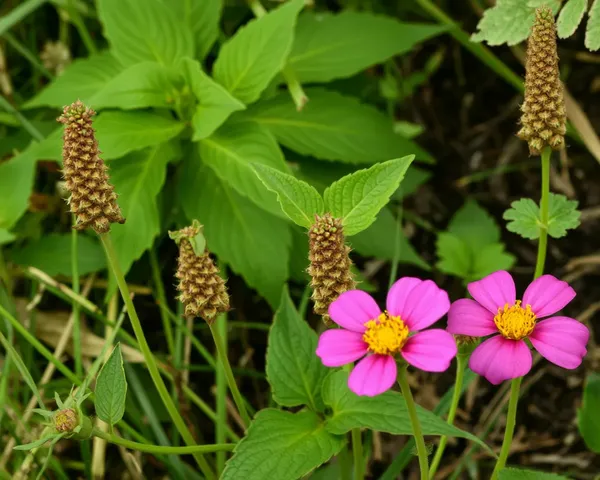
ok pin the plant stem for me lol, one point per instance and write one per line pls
(461, 364)
(163, 449)
(357, 453)
(414, 420)
(543, 241)
(81, 28)
(76, 308)
(220, 327)
(162, 300)
(510, 426)
(149, 358)
(345, 463)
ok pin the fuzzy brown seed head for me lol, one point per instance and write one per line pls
(330, 263)
(93, 200)
(66, 420)
(202, 290)
(544, 115)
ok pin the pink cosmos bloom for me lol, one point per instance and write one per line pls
(412, 305)
(561, 340)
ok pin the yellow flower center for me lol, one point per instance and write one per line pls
(386, 334)
(515, 322)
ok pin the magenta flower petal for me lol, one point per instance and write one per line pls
(547, 295)
(373, 375)
(494, 291)
(499, 359)
(431, 350)
(339, 347)
(353, 309)
(561, 340)
(467, 317)
(418, 304)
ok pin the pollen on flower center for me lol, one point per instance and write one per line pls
(386, 334)
(515, 322)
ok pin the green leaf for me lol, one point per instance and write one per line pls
(523, 218)
(111, 389)
(570, 17)
(146, 84)
(254, 243)
(6, 236)
(119, 133)
(299, 201)
(231, 152)
(16, 183)
(518, 474)
(358, 198)
(294, 372)
(80, 80)
(250, 59)
(282, 446)
(144, 31)
(592, 32)
(215, 104)
(90, 255)
(137, 179)
(334, 127)
(328, 46)
(588, 416)
(202, 20)
(509, 21)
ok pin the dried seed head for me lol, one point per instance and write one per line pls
(66, 420)
(330, 263)
(544, 114)
(202, 290)
(93, 199)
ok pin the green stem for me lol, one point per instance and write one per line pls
(510, 426)
(81, 28)
(461, 365)
(76, 308)
(357, 453)
(163, 449)
(414, 420)
(543, 242)
(345, 463)
(149, 358)
(162, 300)
(220, 327)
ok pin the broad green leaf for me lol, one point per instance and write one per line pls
(231, 152)
(215, 104)
(474, 225)
(50, 148)
(299, 201)
(509, 21)
(283, 446)
(111, 389)
(592, 32)
(588, 416)
(201, 19)
(328, 46)
(294, 371)
(80, 80)
(455, 256)
(90, 255)
(144, 31)
(491, 258)
(518, 474)
(334, 127)
(358, 198)
(254, 243)
(250, 59)
(119, 133)
(137, 179)
(6, 236)
(523, 218)
(16, 184)
(570, 17)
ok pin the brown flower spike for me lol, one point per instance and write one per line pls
(93, 200)
(203, 291)
(329, 263)
(544, 114)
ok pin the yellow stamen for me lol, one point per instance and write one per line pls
(515, 322)
(386, 334)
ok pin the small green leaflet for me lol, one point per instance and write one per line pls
(39, 442)
(588, 416)
(570, 17)
(592, 33)
(357, 198)
(298, 200)
(524, 217)
(111, 389)
(518, 474)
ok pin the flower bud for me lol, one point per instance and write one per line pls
(66, 420)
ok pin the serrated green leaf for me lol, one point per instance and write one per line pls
(592, 32)
(250, 59)
(474, 225)
(144, 31)
(518, 474)
(523, 218)
(231, 152)
(215, 104)
(455, 257)
(334, 127)
(294, 372)
(16, 183)
(90, 255)
(490, 259)
(588, 416)
(272, 447)
(358, 198)
(80, 80)
(570, 17)
(254, 243)
(299, 201)
(111, 389)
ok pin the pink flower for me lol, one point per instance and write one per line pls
(412, 305)
(561, 340)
